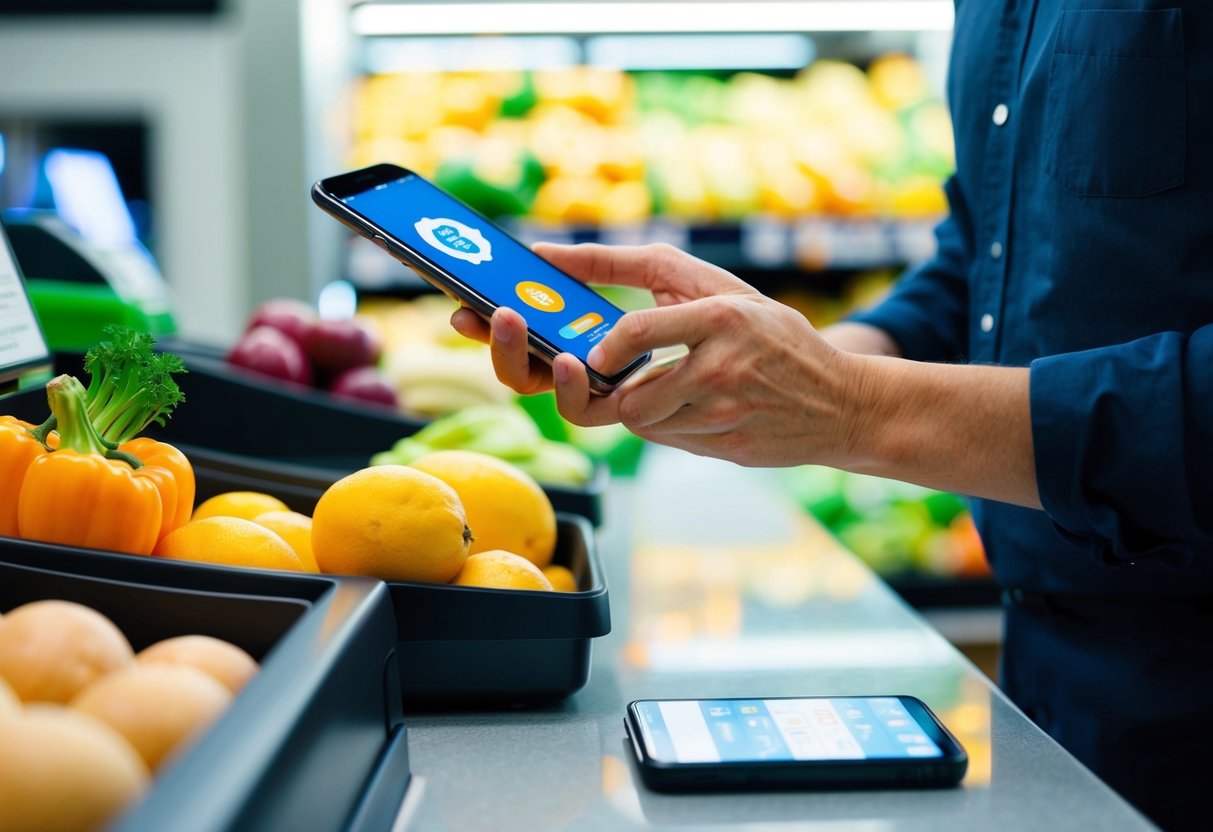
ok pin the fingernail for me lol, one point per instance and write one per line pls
(501, 332)
(595, 359)
(561, 371)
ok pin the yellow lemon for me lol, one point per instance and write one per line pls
(501, 570)
(561, 578)
(391, 522)
(246, 504)
(296, 530)
(229, 541)
(506, 508)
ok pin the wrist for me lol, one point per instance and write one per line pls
(875, 414)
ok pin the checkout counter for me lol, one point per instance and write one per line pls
(720, 587)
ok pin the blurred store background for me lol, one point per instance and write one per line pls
(171, 145)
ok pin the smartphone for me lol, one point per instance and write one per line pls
(791, 743)
(474, 261)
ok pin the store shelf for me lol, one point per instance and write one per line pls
(810, 245)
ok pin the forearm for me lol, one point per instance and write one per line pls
(959, 428)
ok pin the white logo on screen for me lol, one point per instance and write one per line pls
(455, 239)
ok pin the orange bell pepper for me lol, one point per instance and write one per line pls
(18, 448)
(80, 495)
(174, 478)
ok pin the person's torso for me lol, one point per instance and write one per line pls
(1083, 136)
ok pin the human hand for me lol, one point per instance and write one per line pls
(758, 386)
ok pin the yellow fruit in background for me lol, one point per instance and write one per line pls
(223, 661)
(560, 577)
(51, 650)
(296, 530)
(246, 504)
(156, 707)
(229, 541)
(506, 508)
(64, 770)
(501, 570)
(391, 522)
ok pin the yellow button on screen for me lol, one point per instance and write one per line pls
(538, 296)
(582, 324)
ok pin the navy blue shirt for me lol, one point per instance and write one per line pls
(1080, 244)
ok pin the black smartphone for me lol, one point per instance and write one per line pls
(820, 742)
(473, 260)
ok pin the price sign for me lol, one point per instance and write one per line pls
(22, 346)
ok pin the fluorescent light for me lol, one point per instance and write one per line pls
(620, 17)
(696, 51)
(88, 198)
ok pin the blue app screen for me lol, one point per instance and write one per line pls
(566, 313)
(749, 730)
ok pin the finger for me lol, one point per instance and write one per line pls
(645, 330)
(655, 401)
(574, 399)
(470, 325)
(655, 267)
(512, 361)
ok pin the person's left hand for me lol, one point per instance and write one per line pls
(759, 385)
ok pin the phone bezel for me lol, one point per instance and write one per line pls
(328, 194)
(925, 772)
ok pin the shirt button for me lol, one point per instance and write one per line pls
(996, 249)
(987, 322)
(1001, 114)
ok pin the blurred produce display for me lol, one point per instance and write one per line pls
(590, 146)
(896, 528)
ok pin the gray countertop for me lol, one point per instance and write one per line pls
(720, 587)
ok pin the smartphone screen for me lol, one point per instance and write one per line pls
(564, 312)
(766, 730)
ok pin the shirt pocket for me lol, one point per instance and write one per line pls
(1115, 120)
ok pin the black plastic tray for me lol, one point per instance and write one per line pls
(465, 645)
(244, 431)
(315, 741)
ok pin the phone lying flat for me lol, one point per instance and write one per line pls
(473, 260)
(792, 743)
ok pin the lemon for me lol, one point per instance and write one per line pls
(296, 530)
(506, 508)
(229, 541)
(246, 504)
(561, 578)
(391, 522)
(501, 570)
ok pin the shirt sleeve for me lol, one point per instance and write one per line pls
(1123, 440)
(927, 311)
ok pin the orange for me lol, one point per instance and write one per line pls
(501, 570)
(50, 650)
(296, 530)
(246, 504)
(506, 508)
(391, 522)
(225, 662)
(64, 770)
(561, 578)
(156, 707)
(229, 541)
